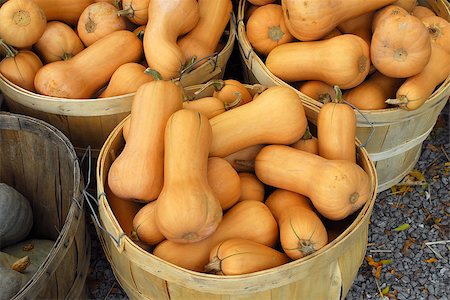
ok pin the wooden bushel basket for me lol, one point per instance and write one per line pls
(40, 162)
(397, 138)
(88, 122)
(325, 274)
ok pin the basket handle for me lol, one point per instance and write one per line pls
(91, 201)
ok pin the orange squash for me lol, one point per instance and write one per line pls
(266, 28)
(407, 5)
(83, 75)
(135, 10)
(97, 21)
(239, 160)
(210, 106)
(373, 92)
(280, 105)
(62, 10)
(230, 91)
(336, 130)
(126, 79)
(58, 42)
(251, 187)
(386, 12)
(400, 46)
(331, 34)
(301, 230)
(261, 2)
(224, 181)
(20, 67)
(317, 90)
(344, 186)
(248, 219)
(22, 23)
(241, 256)
(422, 12)
(137, 173)
(439, 30)
(309, 21)
(360, 26)
(167, 20)
(144, 224)
(201, 42)
(342, 60)
(188, 210)
(308, 143)
(417, 89)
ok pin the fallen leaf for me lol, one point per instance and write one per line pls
(408, 243)
(386, 261)
(385, 291)
(402, 227)
(431, 260)
(433, 148)
(437, 220)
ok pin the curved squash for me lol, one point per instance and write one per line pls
(373, 92)
(248, 219)
(241, 256)
(22, 23)
(230, 91)
(98, 20)
(20, 67)
(311, 20)
(417, 89)
(58, 42)
(439, 30)
(144, 225)
(135, 10)
(279, 104)
(251, 187)
(400, 46)
(266, 28)
(224, 182)
(126, 79)
(201, 42)
(301, 230)
(344, 186)
(336, 130)
(88, 71)
(308, 143)
(137, 173)
(167, 20)
(317, 90)
(188, 210)
(62, 10)
(342, 60)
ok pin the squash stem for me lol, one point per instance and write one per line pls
(207, 85)
(117, 4)
(152, 72)
(140, 34)
(129, 12)
(234, 103)
(214, 266)
(307, 135)
(190, 62)
(67, 56)
(338, 98)
(354, 197)
(399, 101)
(10, 51)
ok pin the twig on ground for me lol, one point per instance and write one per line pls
(445, 153)
(110, 290)
(437, 243)
(379, 251)
(435, 252)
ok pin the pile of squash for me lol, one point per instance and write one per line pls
(238, 190)
(88, 49)
(20, 257)
(384, 53)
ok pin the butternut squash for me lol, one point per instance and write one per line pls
(188, 210)
(407, 5)
(311, 20)
(239, 160)
(439, 30)
(360, 26)
(230, 91)
(344, 186)
(88, 71)
(135, 10)
(62, 10)
(137, 173)
(342, 60)
(241, 256)
(210, 106)
(167, 20)
(248, 219)
(144, 225)
(251, 187)
(317, 90)
(301, 230)
(279, 104)
(422, 12)
(224, 182)
(308, 143)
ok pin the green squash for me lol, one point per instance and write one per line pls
(11, 281)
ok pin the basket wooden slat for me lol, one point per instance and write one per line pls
(40, 162)
(398, 134)
(145, 276)
(88, 122)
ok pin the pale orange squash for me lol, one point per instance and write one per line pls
(210, 106)
(230, 91)
(240, 256)
(344, 186)
(422, 12)
(360, 26)
(144, 224)
(266, 28)
(62, 10)
(248, 219)
(135, 10)
(317, 90)
(251, 187)
(137, 173)
(261, 2)
(331, 34)
(407, 5)
(307, 143)
(224, 181)
(342, 60)
(301, 230)
(439, 30)
(243, 160)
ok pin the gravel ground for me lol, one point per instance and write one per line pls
(403, 265)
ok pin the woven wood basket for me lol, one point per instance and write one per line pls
(397, 138)
(40, 162)
(88, 122)
(145, 276)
